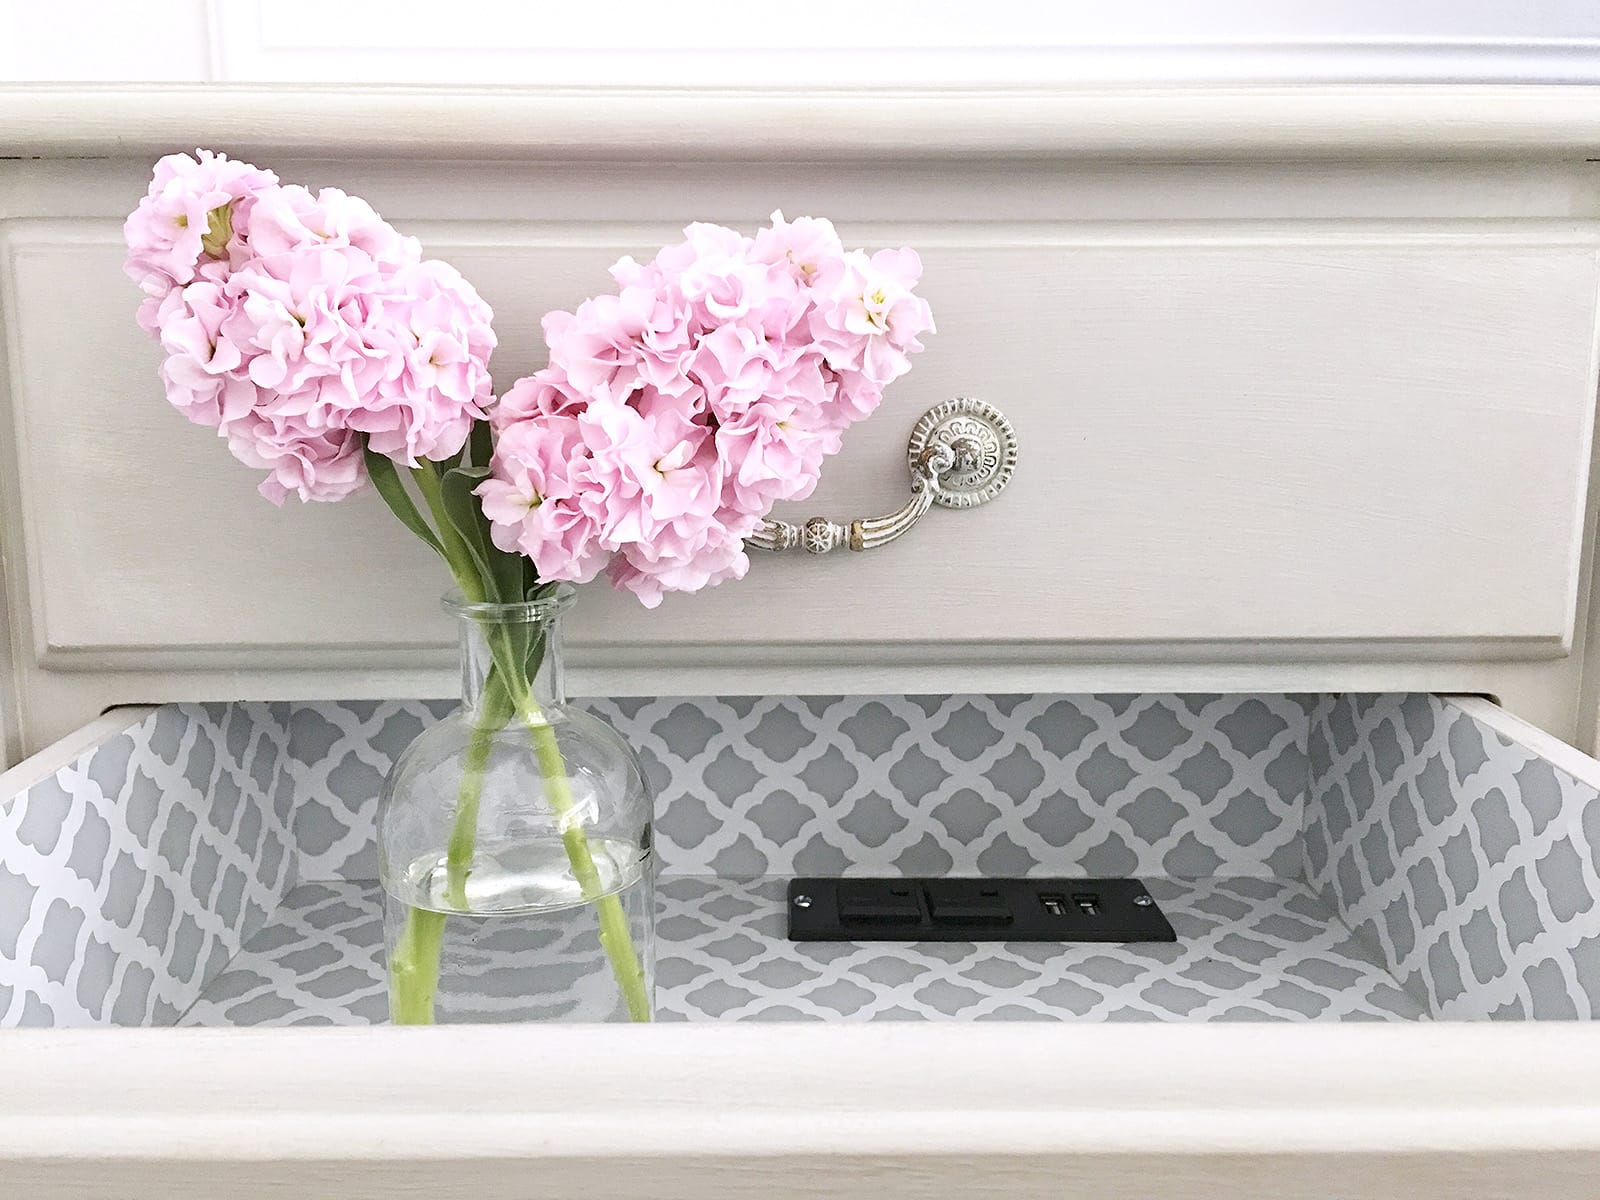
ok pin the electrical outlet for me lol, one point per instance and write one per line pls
(975, 910)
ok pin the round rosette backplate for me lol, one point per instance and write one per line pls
(984, 444)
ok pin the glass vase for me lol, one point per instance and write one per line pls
(514, 844)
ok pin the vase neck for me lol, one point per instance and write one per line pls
(518, 641)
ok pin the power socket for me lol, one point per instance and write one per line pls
(974, 910)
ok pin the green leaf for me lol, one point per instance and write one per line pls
(534, 658)
(538, 590)
(381, 470)
(501, 572)
(480, 446)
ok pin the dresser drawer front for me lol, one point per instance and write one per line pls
(1268, 418)
(1330, 437)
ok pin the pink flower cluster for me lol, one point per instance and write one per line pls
(675, 413)
(300, 325)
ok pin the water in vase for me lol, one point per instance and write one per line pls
(529, 946)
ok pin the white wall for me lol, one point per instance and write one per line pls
(734, 42)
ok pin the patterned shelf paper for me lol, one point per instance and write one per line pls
(1247, 950)
(130, 877)
(1187, 786)
(1471, 864)
(210, 862)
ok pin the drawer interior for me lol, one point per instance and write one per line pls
(1321, 857)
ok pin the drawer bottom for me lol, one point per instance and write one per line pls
(1247, 949)
(1338, 857)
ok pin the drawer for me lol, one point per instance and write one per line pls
(1212, 424)
(1270, 415)
(1397, 893)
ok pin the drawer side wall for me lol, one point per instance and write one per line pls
(1465, 857)
(131, 876)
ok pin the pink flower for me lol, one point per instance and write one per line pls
(599, 345)
(307, 327)
(533, 499)
(201, 367)
(290, 218)
(432, 333)
(534, 398)
(732, 363)
(315, 466)
(801, 248)
(856, 397)
(674, 414)
(187, 211)
(870, 318)
(677, 565)
(773, 451)
(653, 473)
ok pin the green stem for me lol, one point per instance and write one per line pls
(456, 553)
(415, 971)
(614, 935)
(493, 712)
(414, 967)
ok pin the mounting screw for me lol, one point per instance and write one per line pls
(1143, 901)
(802, 901)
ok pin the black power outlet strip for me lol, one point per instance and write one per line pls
(975, 910)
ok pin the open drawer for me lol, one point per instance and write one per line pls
(1404, 859)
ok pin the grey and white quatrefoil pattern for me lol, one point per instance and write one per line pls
(209, 864)
(130, 877)
(320, 962)
(1469, 862)
(977, 785)
(1247, 949)
(338, 757)
(973, 785)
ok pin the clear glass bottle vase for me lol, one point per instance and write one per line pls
(514, 844)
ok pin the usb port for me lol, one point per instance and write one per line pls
(1088, 903)
(1054, 903)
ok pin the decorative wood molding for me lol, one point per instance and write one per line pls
(723, 1112)
(1430, 121)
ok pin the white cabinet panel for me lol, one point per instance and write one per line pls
(1285, 426)
(1337, 433)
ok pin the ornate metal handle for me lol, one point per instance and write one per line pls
(962, 453)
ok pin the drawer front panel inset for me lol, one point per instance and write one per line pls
(1284, 440)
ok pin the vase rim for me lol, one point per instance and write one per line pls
(552, 600)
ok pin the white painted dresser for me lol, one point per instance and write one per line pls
(1304, 381)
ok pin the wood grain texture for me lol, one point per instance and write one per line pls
(899, 1111)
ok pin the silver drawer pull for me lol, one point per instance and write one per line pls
(962, 453)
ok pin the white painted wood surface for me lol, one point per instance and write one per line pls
(1450, 1112)
(1284, 425)
(1300, 437)
(801, 122)
(1448, 232)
